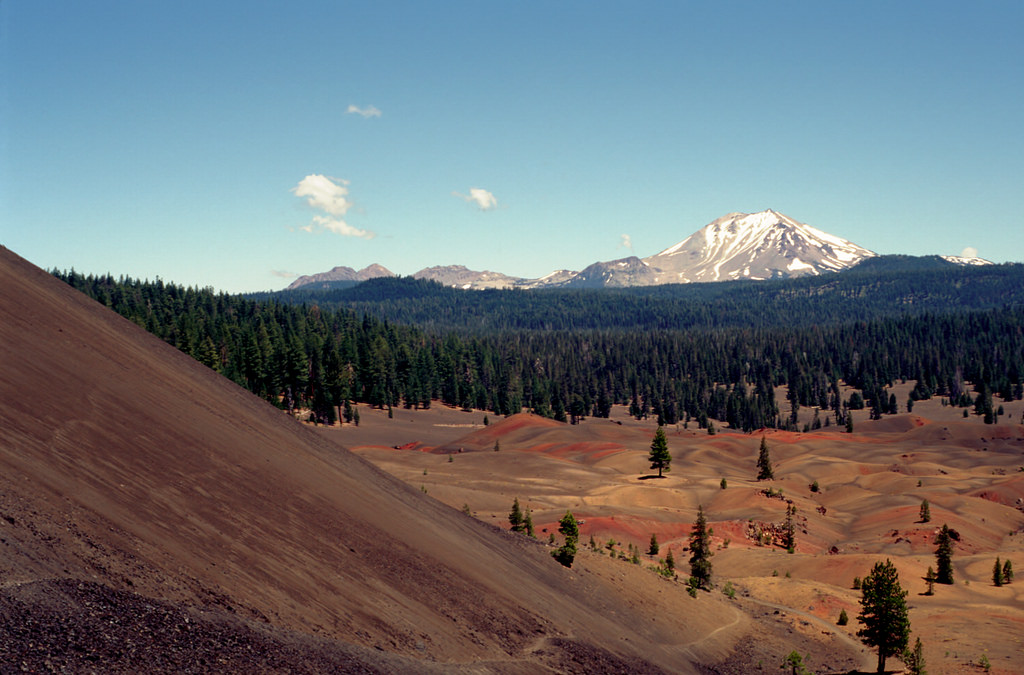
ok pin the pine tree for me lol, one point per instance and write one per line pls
(515, 517)
(943, 556)
(570, 530)
(929, 578)
(1007, 572)
(764, 463)
(653, 548)
(843, 618)
(926, 512)
(670, 563)
(700, 552)
(913, 659)
(789, 530)
(997, 572)
(528, 524)
(884, 613)
(660, 458)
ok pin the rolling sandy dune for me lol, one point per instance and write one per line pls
(866, 509)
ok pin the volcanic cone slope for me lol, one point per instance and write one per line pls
(155, 516)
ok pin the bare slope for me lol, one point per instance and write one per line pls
(129, 472)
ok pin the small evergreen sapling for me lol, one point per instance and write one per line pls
(653, 548)
(913, 659)
(1007, 572)
(997, 572)
(926, 512)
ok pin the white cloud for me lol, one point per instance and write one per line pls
(969, 252)
(283, 274)
(339, 226)
(324, 194)
(626, 242)
(331, 197)
(484, 199)
(367, 112)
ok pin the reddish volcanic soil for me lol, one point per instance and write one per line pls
(871, 485)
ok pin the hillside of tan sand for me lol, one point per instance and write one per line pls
(870, 488)
(154, 517)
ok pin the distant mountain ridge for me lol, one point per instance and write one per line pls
(342, 273)
(755, 246)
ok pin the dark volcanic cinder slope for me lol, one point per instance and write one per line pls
(129, 472)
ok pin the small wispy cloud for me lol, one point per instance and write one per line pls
(366, 112)
(484, 199)
(626, 242)
(969, 252)
(282, 274)
(331, 197)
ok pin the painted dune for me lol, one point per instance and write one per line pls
(870, 487)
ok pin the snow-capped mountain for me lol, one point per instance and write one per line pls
(754, 246)
(342, 273)
(761, 245)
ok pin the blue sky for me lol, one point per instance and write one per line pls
(233, 144)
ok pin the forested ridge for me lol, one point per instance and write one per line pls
(326, 357)
(887, 286)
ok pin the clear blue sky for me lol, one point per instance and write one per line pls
(232, 144)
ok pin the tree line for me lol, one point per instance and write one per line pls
(327, 359)
(888, 286)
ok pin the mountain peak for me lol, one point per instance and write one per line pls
(762, 245)
(342, 273)
(758, 245)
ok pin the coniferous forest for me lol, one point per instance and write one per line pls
(675, 353)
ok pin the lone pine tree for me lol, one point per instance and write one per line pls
(660, 458)
(653, 548)
(515, 517)
(764, 462)
(789, 530)
(929, 578)
(944, 556)
(570, 529)
(528, 524)
(926, 512)
(884, 613)
(700, 552)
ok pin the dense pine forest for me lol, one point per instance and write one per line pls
(887, 286)
(680, 354)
